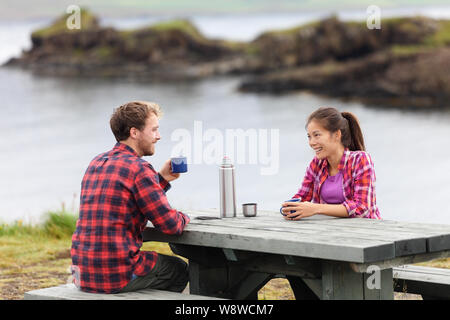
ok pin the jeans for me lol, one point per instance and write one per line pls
(169, 273)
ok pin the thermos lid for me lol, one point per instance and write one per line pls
(226, 162)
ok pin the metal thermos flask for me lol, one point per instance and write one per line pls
(227, 189)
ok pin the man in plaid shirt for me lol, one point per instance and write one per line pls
(120, 193)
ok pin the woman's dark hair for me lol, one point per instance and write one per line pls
(333, 120)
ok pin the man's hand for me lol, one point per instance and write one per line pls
(166, 172)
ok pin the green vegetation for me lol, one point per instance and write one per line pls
(421, 34)
(133, 39)
(441, 37)
(103, 52)
(406, 50)
(58, 225)
(33, 257)
(87, 19)
(182, 25)
(38, 256)
(291, 31)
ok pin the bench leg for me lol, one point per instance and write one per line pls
(428, 290)
(340, 282)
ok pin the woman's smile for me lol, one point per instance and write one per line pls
(318, 150)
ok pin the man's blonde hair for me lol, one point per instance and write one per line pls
(132, 115)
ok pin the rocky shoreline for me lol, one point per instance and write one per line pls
(412, 81)
(404, 64)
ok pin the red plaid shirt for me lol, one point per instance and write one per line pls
(120, 192)
(358, 183)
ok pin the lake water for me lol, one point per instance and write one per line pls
(52, 127)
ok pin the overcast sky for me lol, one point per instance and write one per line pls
(27, 9)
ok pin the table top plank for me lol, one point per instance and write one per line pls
(312, 245)
(405, 243)
(436, 236)
(309, 243)
(351, 240)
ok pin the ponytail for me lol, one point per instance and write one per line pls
(333, 120)
(356, 141)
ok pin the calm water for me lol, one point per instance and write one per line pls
(52, 127)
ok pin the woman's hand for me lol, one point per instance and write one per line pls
(166, 172)
(301, 210)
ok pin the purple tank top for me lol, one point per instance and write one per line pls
(332, 191)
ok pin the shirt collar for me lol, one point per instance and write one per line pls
(123, 148)
(342, 163)
(343, 159)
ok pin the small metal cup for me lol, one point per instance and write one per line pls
(249, 209)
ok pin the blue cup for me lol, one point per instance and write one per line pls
(290, 200)
(179, 164)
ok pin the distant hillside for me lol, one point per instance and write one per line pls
(405, 63)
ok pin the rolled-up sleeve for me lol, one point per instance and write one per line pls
(164, 183)
(149, 193)
(363, 181)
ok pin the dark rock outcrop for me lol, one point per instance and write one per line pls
(171, 50)
(405, 63)
(336, 40)
(418, 80)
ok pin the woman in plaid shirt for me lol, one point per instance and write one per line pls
(340, 180)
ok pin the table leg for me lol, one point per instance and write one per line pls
(247, 284)
(301, 289)
(225, 282)
(340, 282)
(211, 274)
(208, 281)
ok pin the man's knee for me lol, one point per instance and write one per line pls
(175, 270)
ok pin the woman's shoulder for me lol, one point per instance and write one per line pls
(359, 157)
(358, 154)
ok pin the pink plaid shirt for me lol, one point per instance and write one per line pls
(358, 183)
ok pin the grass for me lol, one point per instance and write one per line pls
(291, 31)
(38, 256)
(178, 24)
(87, 21)
(58, 224)
(442, 35)
(35, 256)
(182, 25)
(440, 38)
(406, 50)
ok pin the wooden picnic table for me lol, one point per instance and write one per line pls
(337, 258)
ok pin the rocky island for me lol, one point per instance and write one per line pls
(406, 63)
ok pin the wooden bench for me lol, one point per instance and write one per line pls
(70, 292)
(431, 283)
